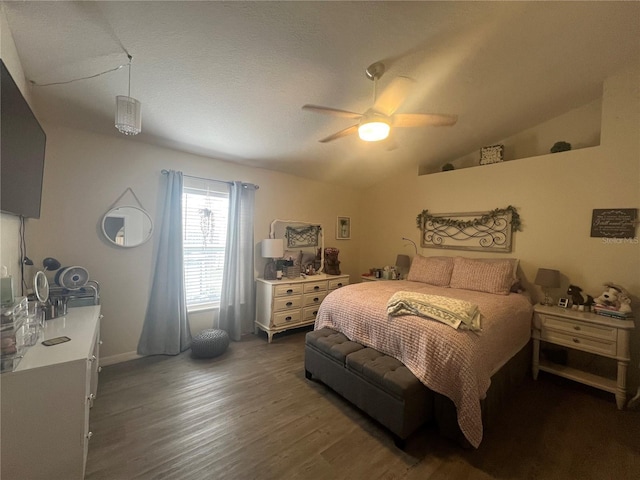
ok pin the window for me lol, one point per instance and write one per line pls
(205, 208)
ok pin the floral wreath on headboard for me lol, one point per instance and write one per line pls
(424, 217)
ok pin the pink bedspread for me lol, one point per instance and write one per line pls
(455, 363)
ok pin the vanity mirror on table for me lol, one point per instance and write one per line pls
(127, 226)
(292, 301)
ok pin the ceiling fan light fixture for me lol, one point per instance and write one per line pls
(374, 130)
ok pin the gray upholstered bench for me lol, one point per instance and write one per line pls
(378, 384)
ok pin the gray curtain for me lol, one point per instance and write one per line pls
(237, 301)
(166, 326)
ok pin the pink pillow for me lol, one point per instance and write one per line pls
(490, 277)
(432, 270)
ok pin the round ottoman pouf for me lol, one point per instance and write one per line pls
(209, 343)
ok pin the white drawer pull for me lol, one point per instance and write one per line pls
(90, 434)
(91, 397)
(99, 369)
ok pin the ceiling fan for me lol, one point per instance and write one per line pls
(376, 123)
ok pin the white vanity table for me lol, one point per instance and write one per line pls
(45, 401)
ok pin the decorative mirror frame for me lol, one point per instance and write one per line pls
(280, 228)
(146, 235)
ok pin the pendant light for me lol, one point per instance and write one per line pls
(128, 116)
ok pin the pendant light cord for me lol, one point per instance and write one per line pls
(130, 58)
(64, 82)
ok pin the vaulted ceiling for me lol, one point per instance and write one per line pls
(228, 79)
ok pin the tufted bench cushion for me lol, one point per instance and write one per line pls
(333, 343)
(209, 343)
(384, 371)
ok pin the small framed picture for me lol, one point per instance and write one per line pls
(563, 302)
(491, 154)
(343, 228)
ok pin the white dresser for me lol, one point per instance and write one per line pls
(292, 303)
(46, 401)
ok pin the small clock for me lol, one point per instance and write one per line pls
(491, 154)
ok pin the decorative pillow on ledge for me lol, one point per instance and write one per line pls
(432, 270)
(495, 276)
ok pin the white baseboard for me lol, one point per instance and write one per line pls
(121, 357)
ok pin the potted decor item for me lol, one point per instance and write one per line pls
(331, 262)
(560, 147)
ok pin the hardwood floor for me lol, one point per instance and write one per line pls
(251, 414)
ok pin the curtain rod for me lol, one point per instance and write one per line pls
(166, 172)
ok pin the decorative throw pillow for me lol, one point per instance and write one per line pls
(512, 261)
(432, 270)
(491, 277)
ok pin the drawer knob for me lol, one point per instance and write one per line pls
(288, 319)
(290, 290)
(315, 313)
(89, 434)
(339, 285)
(91, 397)
(316, 299)
(289, 304)
(576, 327)
(93, 358)
(99, 369)
(575, 340)
(316, 287)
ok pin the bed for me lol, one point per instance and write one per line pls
(455, 363)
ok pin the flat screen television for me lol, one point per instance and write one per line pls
(22, 146)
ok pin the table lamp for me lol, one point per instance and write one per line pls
(403, 262)
(547, 279)
(272, 248)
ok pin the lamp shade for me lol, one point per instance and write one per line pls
(128, 116)
(272, 248)
(548, 278)
(403, 262)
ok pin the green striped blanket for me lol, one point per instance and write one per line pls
(451, 311)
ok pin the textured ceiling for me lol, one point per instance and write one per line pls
(227, 79)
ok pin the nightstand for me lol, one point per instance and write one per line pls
(587, 332)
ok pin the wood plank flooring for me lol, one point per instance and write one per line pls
(251, 414)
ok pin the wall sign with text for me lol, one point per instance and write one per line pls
(614, 222)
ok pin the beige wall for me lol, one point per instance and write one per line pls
(84, 175)
(555, 195)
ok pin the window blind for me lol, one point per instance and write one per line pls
(205, 232)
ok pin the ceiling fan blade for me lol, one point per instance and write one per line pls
(342, 133)
(393, 96)
(424, 120)
(332, 111)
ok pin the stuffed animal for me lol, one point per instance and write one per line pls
(578, 300)
(614, 297)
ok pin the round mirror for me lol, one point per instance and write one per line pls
(41, 286)
(127, 226)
